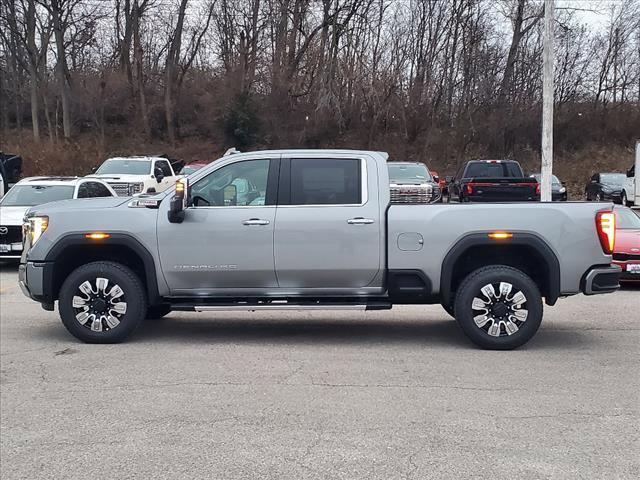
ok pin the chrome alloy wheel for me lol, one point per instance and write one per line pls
(99, 305)
(502, 312)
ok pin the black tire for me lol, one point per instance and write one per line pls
(471, 287)
(116, 274)
(157, 311)
(624, 200)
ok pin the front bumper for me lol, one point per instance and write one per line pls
(559, 197)
(601, 279)
(36, 281)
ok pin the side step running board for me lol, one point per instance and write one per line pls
(278, 305)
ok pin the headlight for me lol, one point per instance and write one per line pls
(135, 188)
(563, 189)
(34, 227)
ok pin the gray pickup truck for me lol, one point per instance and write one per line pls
(310, 229)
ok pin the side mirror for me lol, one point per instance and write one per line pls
(230, 195)
(448, 179)
(178, 202)
(436, 178)
(630, 173)
(93, 169)
(157, 172)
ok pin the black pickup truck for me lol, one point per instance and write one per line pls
(492, 181)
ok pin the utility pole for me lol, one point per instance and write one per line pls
(547, 103)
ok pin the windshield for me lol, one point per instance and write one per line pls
(122, 166)
(409, 173)
(613, 178)
(627, 220)
(493, 170)
(31, 195)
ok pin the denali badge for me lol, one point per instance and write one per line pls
(206, 267)
(3, 230)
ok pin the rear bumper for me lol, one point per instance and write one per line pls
(604, 279)
(499, 198)
(627, 276)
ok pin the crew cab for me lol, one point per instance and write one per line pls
(134, 175)
(33, 191)
(323, 236)
(492, 181)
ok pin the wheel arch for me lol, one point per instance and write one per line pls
(525, 251)
(74, 250)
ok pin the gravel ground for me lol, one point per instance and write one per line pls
(395, 394)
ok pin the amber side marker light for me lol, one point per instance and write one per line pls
(500, 235)
(97, 236)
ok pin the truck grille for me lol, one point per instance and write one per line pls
(13, 234)
(412, 194)
(121, 189)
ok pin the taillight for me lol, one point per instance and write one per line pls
(537, 189)
(470, 188)
(606, 227)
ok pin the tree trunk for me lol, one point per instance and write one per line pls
(62, 69)
(171, 73)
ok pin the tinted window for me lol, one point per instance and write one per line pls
(238, 184)
(493, 170)
(30, 195)
(613, 178)
(164, 166)
(125, 167)
(93, 189)
(325, 182)
(627, 220)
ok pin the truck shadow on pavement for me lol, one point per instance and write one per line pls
(328, 331)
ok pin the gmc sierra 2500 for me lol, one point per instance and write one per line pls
(310, 229)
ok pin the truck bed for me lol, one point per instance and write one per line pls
(440, 226)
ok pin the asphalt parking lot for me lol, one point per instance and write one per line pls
(397, 394)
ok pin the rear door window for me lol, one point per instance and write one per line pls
(316, 181)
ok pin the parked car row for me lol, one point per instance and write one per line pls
(118, 176)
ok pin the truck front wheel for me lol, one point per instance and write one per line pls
(499, 307)
(102, 302)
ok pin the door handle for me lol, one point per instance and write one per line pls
(360, 221)
(255, 221)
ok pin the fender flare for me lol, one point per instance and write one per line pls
(115, 239)
(519, 239)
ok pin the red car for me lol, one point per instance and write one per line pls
(441, 181)
(626, 252)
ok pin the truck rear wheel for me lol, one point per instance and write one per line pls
(102, 302)
(499, 307)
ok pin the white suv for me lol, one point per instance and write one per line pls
(134, 175)
(33, 191)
